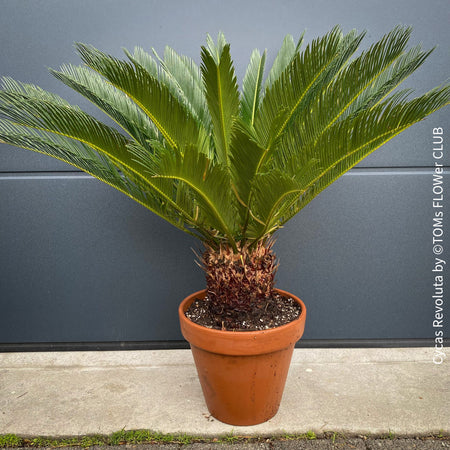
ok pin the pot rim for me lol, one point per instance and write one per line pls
(241, 342)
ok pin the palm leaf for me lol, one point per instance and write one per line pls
(169, 189)
(82, 157)
(60, 120)
(245, 156)
(349, 141)
(143, 59)
(311, 123)
(251, 87)
(71, 122)
(215, 50)
(110, 100)
(172, 120)
(390, 79)
(359, 75)
(207, 183)
(32, 91)
(283, 59)
(180, 75)
(226, 168)
(186, 77)
(222, 95)
(274, 192)
(303, 79)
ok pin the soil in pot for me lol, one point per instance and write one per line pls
(273, 312)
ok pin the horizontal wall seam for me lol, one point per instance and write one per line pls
(181, 344)
(359, 171)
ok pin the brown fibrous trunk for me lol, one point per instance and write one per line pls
(239, 280)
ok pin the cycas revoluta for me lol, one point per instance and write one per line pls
(227, 166)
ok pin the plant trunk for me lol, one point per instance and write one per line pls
(239, 281)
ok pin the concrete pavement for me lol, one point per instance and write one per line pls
(348, 391)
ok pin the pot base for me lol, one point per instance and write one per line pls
(242, 390)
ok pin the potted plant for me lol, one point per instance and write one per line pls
(229, 167)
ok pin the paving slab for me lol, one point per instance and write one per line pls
(350, 391)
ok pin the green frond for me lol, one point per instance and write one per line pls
(166, 188)
(290, 93)
(110, 100)
(354, 79)
(306, 76)
(82, 157)
(66, 121)
(172, 120)
(390, 79)
(222, 95)
(72, 152)
(349, 141)
(143, 59)
(207, 183)
(189, 81)
(173, 174)
(27, 90)
(180, 75)
(67, 131)
(245, 156)
(339, 100)
(251, 87)
(215, 50)
(227, 168)
(291, 153)
(274, 192)
(283, 59)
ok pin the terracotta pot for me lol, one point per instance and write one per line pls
(242, 373)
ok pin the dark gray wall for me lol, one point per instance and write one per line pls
(81, 262)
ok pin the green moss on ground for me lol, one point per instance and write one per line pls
(123, 437)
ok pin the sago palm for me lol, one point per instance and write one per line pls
(230, 167)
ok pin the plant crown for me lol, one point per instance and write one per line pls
(228, 166)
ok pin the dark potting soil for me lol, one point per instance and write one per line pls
(274, 312)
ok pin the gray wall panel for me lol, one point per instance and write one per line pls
(361, 256)
(39, 34)
(82, 262)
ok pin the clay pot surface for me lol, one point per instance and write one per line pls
(242, 373)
